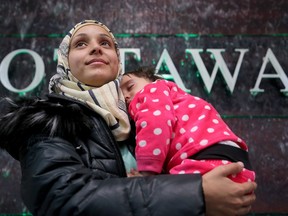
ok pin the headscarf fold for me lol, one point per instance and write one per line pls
(106, 100)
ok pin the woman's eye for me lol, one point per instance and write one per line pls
(105, 43)
(80, 44)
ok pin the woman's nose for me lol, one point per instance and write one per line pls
(95, 49)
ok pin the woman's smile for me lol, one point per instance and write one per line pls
(96, 61)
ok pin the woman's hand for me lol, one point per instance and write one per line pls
(224, 197)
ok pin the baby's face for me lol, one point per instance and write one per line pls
(130, 85)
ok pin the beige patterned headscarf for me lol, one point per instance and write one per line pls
(107, 100)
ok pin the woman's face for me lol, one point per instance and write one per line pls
(92, 56)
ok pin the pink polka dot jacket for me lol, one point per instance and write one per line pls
(172, 125)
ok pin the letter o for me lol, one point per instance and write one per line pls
(39, 70)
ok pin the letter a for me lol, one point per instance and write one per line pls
(165, 57)
(279, 70)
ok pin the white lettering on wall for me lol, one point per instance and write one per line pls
(165, 57)
(270, 57)
(123, 52)
(220, 65)
(39, 70)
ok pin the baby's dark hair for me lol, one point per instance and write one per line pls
(146, 72)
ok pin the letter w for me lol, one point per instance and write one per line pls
(219, 64)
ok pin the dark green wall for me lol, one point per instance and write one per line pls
(153, 26)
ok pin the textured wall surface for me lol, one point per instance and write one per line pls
(153, 26)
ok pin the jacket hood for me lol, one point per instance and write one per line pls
(28, 118)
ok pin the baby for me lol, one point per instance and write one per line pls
(176, 132)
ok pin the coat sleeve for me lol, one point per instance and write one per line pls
(56, 182)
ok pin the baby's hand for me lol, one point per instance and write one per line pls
(133, 173)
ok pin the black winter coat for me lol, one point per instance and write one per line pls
(71, 165)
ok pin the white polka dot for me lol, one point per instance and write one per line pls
(196, 98)
(201, 117)
(239, 140)
(145, 99)
(224, 162)
(226, 133)
(176, 107)
(167, 141)
(157, 113)
(233, 176)
(203, 142)
(169, 123)
(132, 113)
(207, 107)
(168, 107)
(182, 172)
(183, 155)
(156, 151)
(157, 131)
(185, 118)
(155, 100)
(143, 124)
(152, 90)
(142, 143)
(166, 93)
(178, 146)
(174, 89)
(215, 121)
(182, 131)
(191, 140)
(210, 130)
(195, 128)
(196, 172)
(191, 105)
(144, 110)
(138, 105)
(173, 135)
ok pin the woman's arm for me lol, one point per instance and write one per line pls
(56, 182)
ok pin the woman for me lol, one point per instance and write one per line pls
(73, 145)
